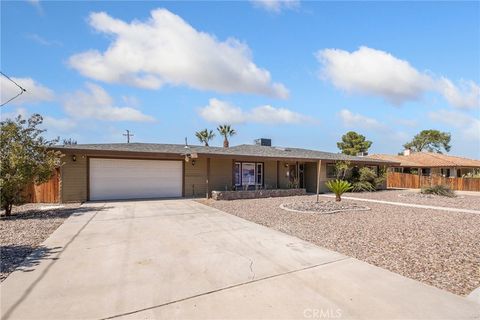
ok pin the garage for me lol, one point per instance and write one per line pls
(115, 179)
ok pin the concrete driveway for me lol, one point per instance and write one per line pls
(181, 259)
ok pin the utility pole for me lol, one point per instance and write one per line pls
(128, 135)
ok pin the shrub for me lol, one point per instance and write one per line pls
(439, 191)
(362, 186)
(338, 187)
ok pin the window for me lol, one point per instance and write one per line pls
(331, 170)
(248, 173)
(425, 171)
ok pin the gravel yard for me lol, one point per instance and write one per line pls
(436, 247)
(414, 196)
(26, 229)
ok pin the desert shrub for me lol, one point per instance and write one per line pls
(439, 191)
(362, 186)
(338, 187)
(365, 179)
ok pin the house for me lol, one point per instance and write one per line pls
(147, 170)
(429, 163)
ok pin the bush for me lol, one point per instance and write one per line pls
(362, 186)
(439, 191)
(338, 187)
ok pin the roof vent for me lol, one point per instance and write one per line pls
(263, 142)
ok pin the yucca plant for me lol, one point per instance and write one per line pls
(338, 187)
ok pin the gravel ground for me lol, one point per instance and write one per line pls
(414, 196)
(436, 247)
(26, 229)
(323, 206)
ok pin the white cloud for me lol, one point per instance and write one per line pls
(467, 96)
(356, 120)
(276, 6)
(35, 91)
(378, 73)
(13, 114)
(469, 126)
(96, 103)
(59, 124)
(218, 111)
(41, 40)
(167, 50)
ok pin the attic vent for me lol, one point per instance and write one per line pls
(263, 142)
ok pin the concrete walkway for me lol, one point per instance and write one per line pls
(180, 259)
(411, 205)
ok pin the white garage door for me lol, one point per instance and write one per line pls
(114, 179)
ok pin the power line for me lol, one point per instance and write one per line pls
(128, 135)
(22, 89)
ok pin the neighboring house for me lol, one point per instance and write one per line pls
(146, 170)
(429, 163)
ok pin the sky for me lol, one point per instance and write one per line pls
(299, 73)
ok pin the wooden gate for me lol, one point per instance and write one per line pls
(47, 192)
(413, 181)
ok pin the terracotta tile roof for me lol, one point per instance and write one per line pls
(428, 160)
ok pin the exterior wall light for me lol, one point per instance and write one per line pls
(193, 162)
(74, 158)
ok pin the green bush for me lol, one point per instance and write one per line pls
(362, 186)
(439, 191)
(338, 187)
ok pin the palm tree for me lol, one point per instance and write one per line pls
(226, 131)
(204, 136)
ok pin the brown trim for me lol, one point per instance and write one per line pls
(208, 178)
(129, 158)
(183, 179)
(278, 174)
(88, 178)
(319, 166)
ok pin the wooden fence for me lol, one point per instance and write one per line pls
(47, 192)
(413, 181)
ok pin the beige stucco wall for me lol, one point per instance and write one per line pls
(73, 182)
(221, 173)
(270, 174)
(196, 178)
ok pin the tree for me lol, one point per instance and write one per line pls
(226, 131)
(205, 136)
(25, 158)
(69, 141)
(430, 140)
(353, 143)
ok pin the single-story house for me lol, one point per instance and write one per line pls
(149, 170)
(429, 163)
